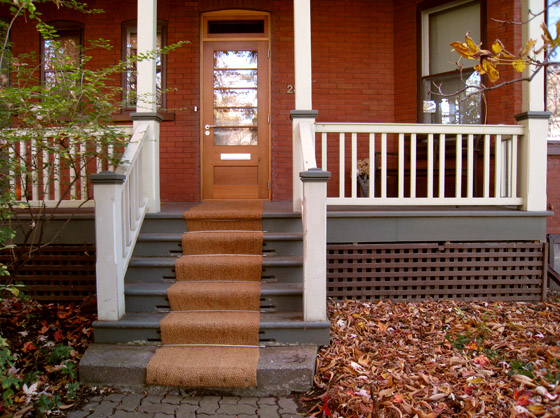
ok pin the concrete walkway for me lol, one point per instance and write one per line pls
(134, 405)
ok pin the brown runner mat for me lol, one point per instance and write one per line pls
(235, 296)
(215, 301)
(204, 367)
(211, 327)
(225, 215)
(222, 242)
(224, 267)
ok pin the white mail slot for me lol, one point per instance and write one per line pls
(235, 156)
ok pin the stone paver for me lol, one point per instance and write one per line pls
(130, 402)
(171, 405)
(104, 409)
(237, 409)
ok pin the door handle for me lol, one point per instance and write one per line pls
(210, 126)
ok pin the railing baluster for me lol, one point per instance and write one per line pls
(413, 165)
(508, 164)
(486, 177)
(341, 165)
(383, 165)
(470, 166)
(34, 167)
(46, 163)
(430, 166)
(13, 178)
(514, 161)
(459, 165)
(83, 171)
(498, 166)
(354, 165)
(441, 191)
(401, 166)
(371, 165)
(72, 168)
(23, 163)
(324, 151)
(57, 175)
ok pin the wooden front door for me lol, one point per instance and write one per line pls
(235, 120)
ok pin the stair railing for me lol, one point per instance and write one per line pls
(314, 220)
(120, 207)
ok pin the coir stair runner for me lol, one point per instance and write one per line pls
(210, 338)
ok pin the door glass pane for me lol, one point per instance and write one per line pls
(235, 78)
(235, 97)
(235, 117)
(235, 136)
(235, 59)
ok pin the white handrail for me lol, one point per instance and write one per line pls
(422, 164)
(121, 206)
(307, 146)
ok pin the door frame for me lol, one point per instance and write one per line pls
(235, 15)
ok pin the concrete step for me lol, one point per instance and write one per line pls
(169, 244)
(152, 297)
(275, 328)
(286, 269)
(280, 370)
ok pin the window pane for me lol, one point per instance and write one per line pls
(235, 59)
(235, 136)
(235, 97)
(235, 117)
(451, 25)
(235, 78)
(130, 76)
(4, 54)
(553, 100)
(553, 16)
(65, 50)
(463, 108)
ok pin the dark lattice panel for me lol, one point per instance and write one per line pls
(467, 271)
(58, 273)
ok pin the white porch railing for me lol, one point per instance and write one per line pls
(420, 164)
(121, 205)
(41, 175)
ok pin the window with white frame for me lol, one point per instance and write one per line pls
(448, 93)
(130, 49)
(553, 74)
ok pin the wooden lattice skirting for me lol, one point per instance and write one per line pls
(57, 273)
(514, 271)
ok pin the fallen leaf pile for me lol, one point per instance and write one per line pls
(439, 359)
(40, 348)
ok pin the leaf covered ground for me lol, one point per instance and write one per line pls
(439, 359)
(40, 348)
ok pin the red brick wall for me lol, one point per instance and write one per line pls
(364, 70)
(553, 194)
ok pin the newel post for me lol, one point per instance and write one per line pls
(532, 160)
(108, 191)
(299, 116)
(533, 147)
(150, 160)
(314, 219)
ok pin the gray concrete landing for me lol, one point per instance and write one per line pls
(281, 370)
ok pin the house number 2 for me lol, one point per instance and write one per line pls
(290, 89)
